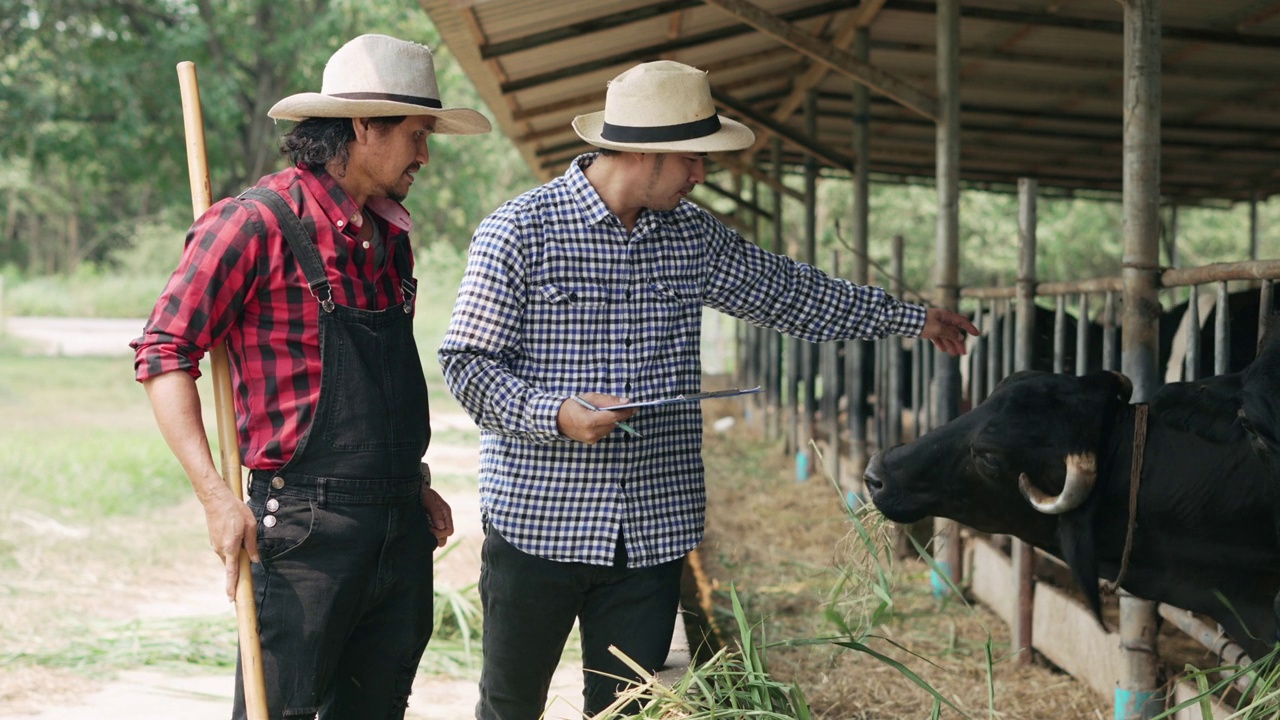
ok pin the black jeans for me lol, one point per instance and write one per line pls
(344, 595)
(530, 604)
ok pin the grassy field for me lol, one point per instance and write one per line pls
(99, 530)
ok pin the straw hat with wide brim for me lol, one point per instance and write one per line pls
(380, 76)
(662, 106)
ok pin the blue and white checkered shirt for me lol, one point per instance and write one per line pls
(558, 299)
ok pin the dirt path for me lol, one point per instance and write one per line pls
(187, 587)
(74, 336)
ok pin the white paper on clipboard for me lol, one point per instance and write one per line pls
(690, 397)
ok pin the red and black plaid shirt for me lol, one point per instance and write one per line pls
(233, 284)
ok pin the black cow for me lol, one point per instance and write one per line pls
(1047, 458)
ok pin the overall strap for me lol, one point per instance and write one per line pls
(408, 284)
(300, 241)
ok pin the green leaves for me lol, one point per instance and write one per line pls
(93, 145)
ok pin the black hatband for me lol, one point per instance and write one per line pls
(409, 99)
(661, 133)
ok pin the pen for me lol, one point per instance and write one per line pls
(625, 427)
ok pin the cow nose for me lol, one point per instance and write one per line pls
(873, 474)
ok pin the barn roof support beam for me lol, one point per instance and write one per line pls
(1189, 34)
(741, 201)
(843, 38)
(731, 163)
(841, 61)
(799, 141)
(653, 52)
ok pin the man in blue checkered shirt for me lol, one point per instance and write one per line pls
(592, 287)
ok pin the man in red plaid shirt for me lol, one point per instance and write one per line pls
(308, 279)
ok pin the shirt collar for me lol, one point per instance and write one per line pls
(593, 208)
(338, 206)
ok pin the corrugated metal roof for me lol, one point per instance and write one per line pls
(1042, 82)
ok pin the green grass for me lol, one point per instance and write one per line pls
(189, 644)
(99, 649)
(91, 293)
(81, 454)
(80, 442)
(81, 450)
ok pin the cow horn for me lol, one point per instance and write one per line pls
(1082, 473)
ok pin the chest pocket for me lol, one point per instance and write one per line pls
(571, 297)
(566, 330)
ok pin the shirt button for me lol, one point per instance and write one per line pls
(573, 296)
(627, 342)
(365, 244)
(341, 223)
(627, 387)
(277, 482)
(269, 521)
(628, 294)
(273, 505)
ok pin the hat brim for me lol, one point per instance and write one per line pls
(731, 136)
(449, 121)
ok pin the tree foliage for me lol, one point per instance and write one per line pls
(93, 146)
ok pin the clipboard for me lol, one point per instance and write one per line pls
(690, 397)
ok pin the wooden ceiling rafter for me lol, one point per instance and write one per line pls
(575, 30)
(636, 55)
(817, 72)
(1099, 25)
(841, 61)
(1023, 108)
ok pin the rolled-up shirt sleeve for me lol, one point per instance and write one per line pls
(204, 295)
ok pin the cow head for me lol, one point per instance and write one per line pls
(1022, 463)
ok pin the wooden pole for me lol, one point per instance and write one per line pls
(255, 694)
(856, 351)
(1024, 554)
(1137, 692)
(808, 351)
(946, 397)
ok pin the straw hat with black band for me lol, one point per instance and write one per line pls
(662, 107)
(380, 76)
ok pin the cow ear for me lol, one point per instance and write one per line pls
(1110, 383)
(1077, 539)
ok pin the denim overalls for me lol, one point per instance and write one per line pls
(344, 589)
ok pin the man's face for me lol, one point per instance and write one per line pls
(671, 177)
(395, 153)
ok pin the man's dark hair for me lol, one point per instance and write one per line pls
(607, 152)
(313, 142)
